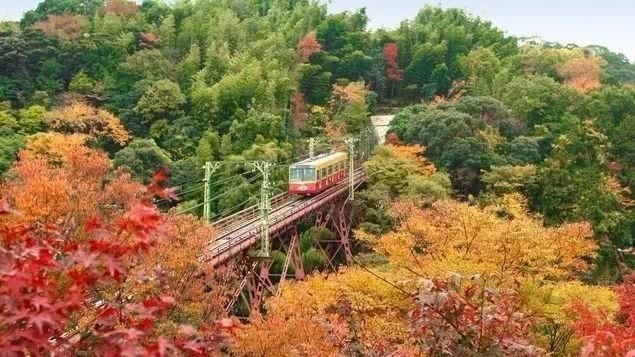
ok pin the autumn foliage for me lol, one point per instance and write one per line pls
(81, 118)
(88, 264)
(602, 335)
(46, 283)
(393, 72)
(581, 74)
(458, 318)
(65, 26)
(59, 178)
(307, 46)
(458, 237)
(120, 7)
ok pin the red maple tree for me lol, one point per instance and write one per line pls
(393, 72)
(49, 286)
(603, 336)
(457, 318)
(307, 46)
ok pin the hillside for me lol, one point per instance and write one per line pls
(497, 219)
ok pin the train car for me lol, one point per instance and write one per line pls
(316, 174)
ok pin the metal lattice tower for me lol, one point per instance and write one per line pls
(264, 205)
(210, 168)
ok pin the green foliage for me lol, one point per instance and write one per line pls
(10, 143)
(81, 83)
(141, 158)
(31, 119)
(7, 120)
(538, 99)
(162, 100)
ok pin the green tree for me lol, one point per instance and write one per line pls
(10, 144)
(141, 158)
(162, 100)
(538, 99)
(81, 83)
(31, 119)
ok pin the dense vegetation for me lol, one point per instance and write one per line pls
(498, 221)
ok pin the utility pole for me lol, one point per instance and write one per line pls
(264, 205)
(312, 147)
(350, 141)
(210, 168)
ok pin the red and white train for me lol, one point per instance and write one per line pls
(316, 174)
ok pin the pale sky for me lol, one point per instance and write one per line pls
(609, 23)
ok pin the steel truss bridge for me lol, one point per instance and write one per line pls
(240, 233)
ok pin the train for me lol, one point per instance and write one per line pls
(316, 174)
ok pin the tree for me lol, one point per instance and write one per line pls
(121, 8)
(141, 158)
(81, 83)
(59, 7)
(537, 99)
(31, 119)
(68, 27)
(602, 336)
(162, 100)
(393, 72)
(452, 236)
(480, 66)
(44, 291)
(459, 316)
(81, 118)
(59, 178)
(581, 74)
(10, 144)
(307, 46)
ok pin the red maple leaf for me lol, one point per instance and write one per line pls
(157, 185)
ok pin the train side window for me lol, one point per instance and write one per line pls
(309, 174)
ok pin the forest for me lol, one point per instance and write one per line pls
(497, 220)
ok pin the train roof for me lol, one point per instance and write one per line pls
(321, 159)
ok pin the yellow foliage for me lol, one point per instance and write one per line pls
(81, 118)
(290, 333)
(452, 236)
(55, 147)
(414, 154)
(378, 312)
(553, 301)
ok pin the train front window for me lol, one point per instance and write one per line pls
(309, 174)
(295, 174)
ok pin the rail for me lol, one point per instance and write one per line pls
(247, 234)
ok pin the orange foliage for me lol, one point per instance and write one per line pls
(354, 93)
(64, 26)
(148, 40)
(470, 240)
(81, 118)
(200, 291)
(581, 74)
(120, 7)
(414, 154)
(290, 333)
(58, 179)
(307, 46)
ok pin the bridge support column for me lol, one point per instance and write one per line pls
(258, 282)
(296, 255)
(342, 225)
